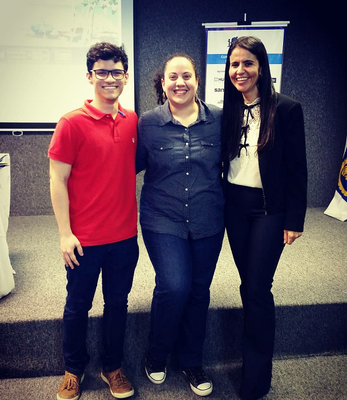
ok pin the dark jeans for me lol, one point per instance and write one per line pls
(184, 271)
(256, 241)
(117, 262)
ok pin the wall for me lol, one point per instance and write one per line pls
(313, 70)
(313, 73)
(29, 173)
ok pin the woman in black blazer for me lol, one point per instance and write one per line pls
(265, 180)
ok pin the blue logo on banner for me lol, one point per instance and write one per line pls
(342, 182)
(275, 58)
(221, 58)
(216, 58)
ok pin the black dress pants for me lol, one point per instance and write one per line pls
(256, 241)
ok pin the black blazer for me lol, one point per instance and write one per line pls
(283, 167)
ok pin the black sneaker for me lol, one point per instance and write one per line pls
(155, 370)
(198, 380)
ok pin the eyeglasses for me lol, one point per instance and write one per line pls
(117, 74)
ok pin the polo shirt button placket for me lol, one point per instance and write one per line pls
(116, 136)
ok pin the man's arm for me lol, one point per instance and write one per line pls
(59, 174)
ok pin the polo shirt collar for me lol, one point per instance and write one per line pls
(97, 114)
(166, 117)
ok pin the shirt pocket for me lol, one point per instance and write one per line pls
(162, 152)
(211, 150)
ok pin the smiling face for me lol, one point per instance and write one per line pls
(107, 91)
(244, 73)
(180, 82)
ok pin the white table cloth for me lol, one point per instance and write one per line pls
(6, 271)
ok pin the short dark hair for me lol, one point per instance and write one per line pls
(106, 51)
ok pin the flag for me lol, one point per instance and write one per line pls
(338, 205)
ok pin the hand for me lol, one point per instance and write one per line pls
(67, 246)
(291, 236)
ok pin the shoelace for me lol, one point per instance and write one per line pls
(155, 366)
(197, 375)
(71, 383)
(119, 378)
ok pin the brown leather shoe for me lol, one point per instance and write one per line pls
(70, 387)
(119, 385)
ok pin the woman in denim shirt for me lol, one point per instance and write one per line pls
(181, 216)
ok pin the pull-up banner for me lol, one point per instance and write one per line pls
(219, 38)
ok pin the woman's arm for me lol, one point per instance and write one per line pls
(141, 152)
(296, 167)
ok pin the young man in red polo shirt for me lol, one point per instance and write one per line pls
(93, 191)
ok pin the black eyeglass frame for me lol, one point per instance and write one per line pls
(123, 71)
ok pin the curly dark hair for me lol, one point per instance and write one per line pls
(106, 51)
(159, 75)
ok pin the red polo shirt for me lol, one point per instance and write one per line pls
(102, 184)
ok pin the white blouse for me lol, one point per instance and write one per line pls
(244, 168)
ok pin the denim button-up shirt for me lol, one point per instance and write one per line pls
(182, 192)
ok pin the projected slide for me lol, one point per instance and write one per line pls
(43, 46)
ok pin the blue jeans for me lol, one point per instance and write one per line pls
(117, 261)
(184, 271)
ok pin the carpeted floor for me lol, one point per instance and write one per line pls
(312, 378)
(311, 271)
(310, 293)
